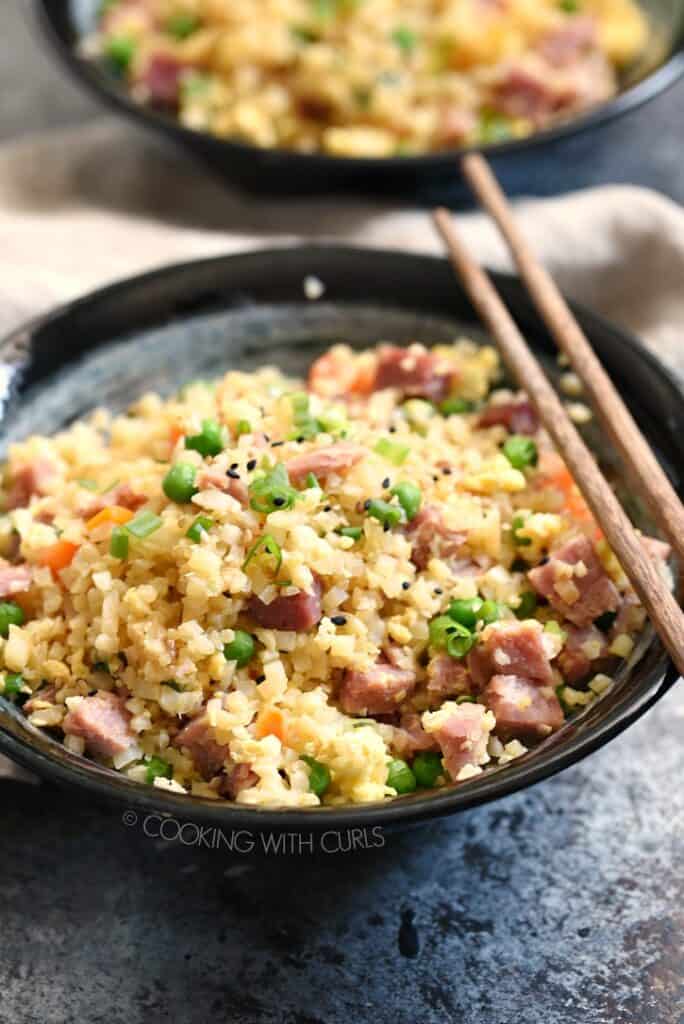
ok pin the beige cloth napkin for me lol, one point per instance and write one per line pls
(83, 208)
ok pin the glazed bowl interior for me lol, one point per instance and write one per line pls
(68, 22)
(198, 320)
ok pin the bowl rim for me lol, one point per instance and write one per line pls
(47, 757)
(664, 75)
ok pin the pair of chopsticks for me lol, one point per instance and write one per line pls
(648, 582)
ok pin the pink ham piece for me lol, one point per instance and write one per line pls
(103, 722)
(522, 710)
(161, 78)
(447, 677)
(219, 481)
(575, 583)
(430, 538)
(455, 125)
(197, 740)
(375, 691)
(29, 480)
(298, 612)
(574, 661)
(518, 417)
(410, 738)
(236, 779)
(462, 735)
(527, 90)
(122, 495)
(511, 648)
(14, 579)
(322, 462)
(414, 372)
(566, 44)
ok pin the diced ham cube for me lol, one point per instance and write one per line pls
(570, 41)
(575, 583)
(582, 647)
(14, 579)
(298, 612)
(322, 462)
(462, 732)
(430, 538)
(29, 480)
(659, 550)
(518, 417)
(375, 691)
(410, 738)
(161, 79)
(413, 371)
(455, 125)
(447, 677)
(527, 90)
(237, 778)
(123, 496)
(217, 479)
(197, 740)
(511, 648)
(103, 722)
(523, 710)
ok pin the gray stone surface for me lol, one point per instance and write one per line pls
(561, 905)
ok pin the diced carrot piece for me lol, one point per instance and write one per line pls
(114, 514)
(175, 434)
(59, 555)
(271, 722)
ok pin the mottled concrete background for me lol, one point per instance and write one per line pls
(562, 905)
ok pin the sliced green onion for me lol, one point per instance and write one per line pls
(489, 612)
(14, 684)
(101, 666)
(270, 546)
(181, 25)
(90, 485)
(311, 480)
(405, 39)
(527, 605)
(120, 50)
(569, 6)
(209, 441)
(243, 427)
(454, 406)
(201, 525)
(319, 775)
(427, 768)
(392, 450)
(517, 525)
(520, 451)
(157, 768)
(439, 630)
(388, 515)
(560, 693)
(409, 497)
(355, 532)
(272, 491)
(118, 543)
(465, 698)
(144, 524)
(400, 777)
(304, 423)
(173, 685)
(10, 615)
(494, 127)
(466, 611)
(460, 642)
(240, 649)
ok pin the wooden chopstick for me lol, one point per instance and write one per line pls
(648, 582)
(612, 412)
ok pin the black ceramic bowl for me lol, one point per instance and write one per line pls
(197, 320)
(66, 22)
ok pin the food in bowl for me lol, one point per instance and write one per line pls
(287, 594)
(370, 78)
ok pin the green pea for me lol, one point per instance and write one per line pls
(520, 451)
(489, 612)
(400, 777)
(209, 441)
(179, 483)
(240, 649)
(10, 615)
(527, 606)
(157, 768)
(355, 532)
(409, 497)
(319, 775)
(120, 50)
(454, 406)
(388, 515)
(427, 768)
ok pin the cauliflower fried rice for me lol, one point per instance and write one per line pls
(286, 593)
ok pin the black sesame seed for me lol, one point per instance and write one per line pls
(338, 620)
(435, 478)
(405, 585)
(327, 508)
(252, 464)
(261, 679)
(366, 504)
(300, 439)
(386, 482)
(233, 474)
(266, 438)
(446, 470)
(385, 527)
(438, 591)
(392, 430)
(276, 444)
(234, 465)
(279, 502)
